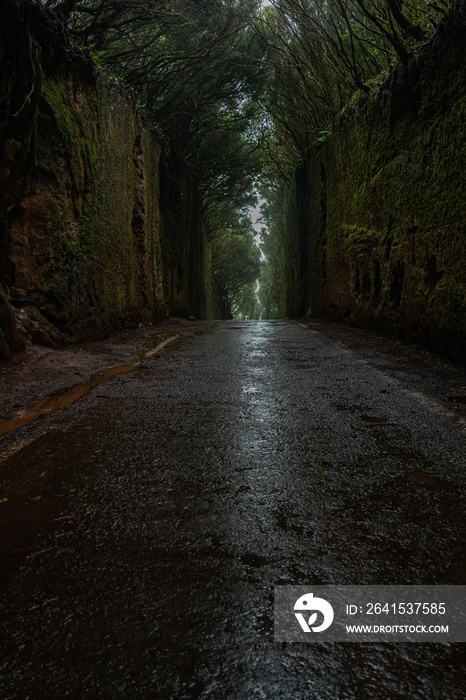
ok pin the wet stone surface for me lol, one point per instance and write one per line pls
(147, 523)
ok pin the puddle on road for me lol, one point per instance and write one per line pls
(50, 404)
(419, 478)
(373, 419)
(21, 516)
(254, 560)
(351, 407)
(457, 399)
(354, 408)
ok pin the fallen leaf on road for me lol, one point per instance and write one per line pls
(2, 500)
(66, 517)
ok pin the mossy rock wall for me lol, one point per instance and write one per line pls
(387, 205)
(89, 237)
(85, 242)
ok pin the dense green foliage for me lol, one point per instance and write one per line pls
(320, 53)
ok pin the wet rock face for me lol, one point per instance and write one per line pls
(83, 241)
(34, 327)
(82, 231)
(385, 208)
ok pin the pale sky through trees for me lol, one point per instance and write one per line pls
(255, 215)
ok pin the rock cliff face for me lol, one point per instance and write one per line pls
(84, 243)
(378, 237)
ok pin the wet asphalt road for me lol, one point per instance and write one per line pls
(147, 523)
